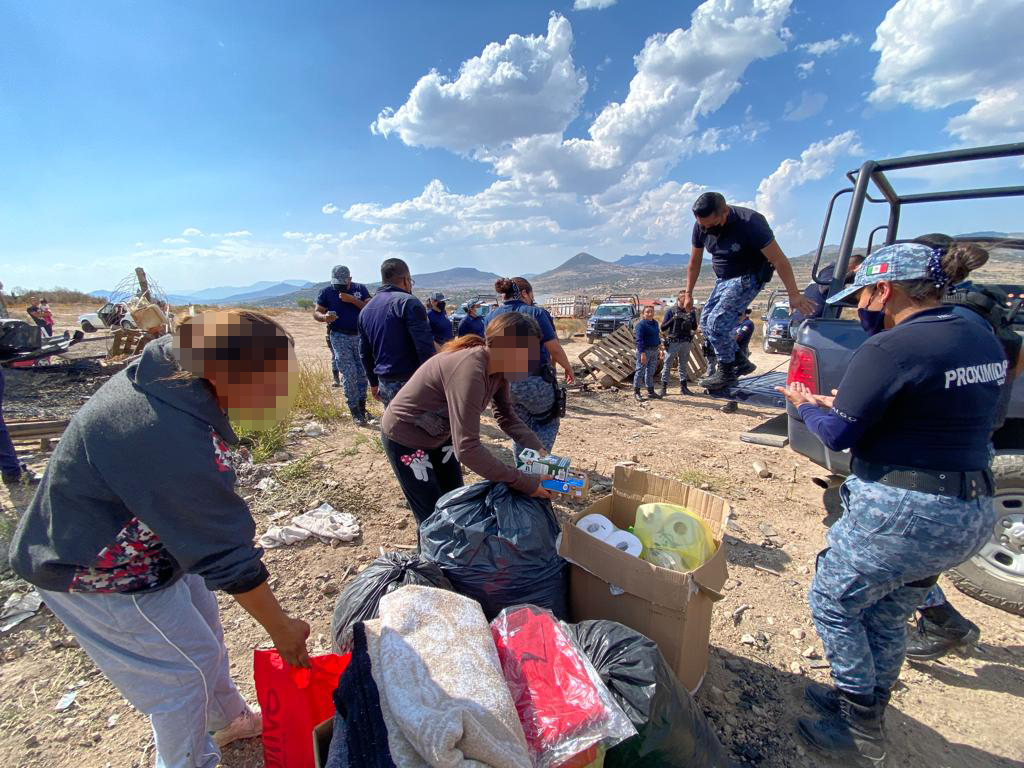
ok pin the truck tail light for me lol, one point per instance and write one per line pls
(803, 367)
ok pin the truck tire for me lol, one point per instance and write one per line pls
(87, 326)
(996, 574)
(590, 339)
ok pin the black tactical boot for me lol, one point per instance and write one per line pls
(337, 378)
(358, 418)
(664, 389)
(366, 414)
(853, 736)
(683, 389)
(653, 394)
(724, 377)
(637, 396)
(825, 699)
(940, 630)
(743, 365)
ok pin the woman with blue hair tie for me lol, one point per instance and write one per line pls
(915, 408)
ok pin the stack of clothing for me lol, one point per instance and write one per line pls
(425, 688)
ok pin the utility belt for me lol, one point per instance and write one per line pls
(347, 333)
(547, 372)
(962, 485)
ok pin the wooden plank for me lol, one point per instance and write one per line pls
(26, 429)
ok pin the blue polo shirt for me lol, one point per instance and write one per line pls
(348, 314)
(394, 335)
(440, 326)
(923, 394)
(736, 248)
(547, 328)
(470, 325)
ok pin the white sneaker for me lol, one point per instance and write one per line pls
(247, 725)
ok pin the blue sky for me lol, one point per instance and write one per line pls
(225, 143)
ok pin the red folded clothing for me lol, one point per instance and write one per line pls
(553, 693)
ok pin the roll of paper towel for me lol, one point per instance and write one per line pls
(597, 526)
(625, 541)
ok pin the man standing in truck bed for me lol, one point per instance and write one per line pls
(744, 257)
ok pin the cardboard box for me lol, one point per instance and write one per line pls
(671, 608)
(322, 742)
(556, 473)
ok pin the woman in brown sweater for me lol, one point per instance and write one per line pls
(433, 423)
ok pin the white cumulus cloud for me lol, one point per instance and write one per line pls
(810, 104)
(815, 162)
(592, 5)
(174, 240)
(937, 53)
(315, 238)
(191, 232)
(239, 233)
(522, 87)
(329, 208)
(830, 45)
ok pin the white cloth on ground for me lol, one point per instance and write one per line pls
(324, 522)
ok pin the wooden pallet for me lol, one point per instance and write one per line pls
(128, 343)
(614, 357)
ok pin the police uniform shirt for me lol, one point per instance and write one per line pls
(440, 326)
(348, 314)
(924, 393)
(547, 327)
(736, 249)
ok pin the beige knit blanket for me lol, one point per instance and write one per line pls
(443, 696)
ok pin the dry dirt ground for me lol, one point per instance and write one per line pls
(962, 712)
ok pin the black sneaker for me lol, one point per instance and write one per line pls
(683, 389)
(724, 377)
(939, 631)
(825, 699)
(664, 390)
(357, 417)
(366, 414)
(654, 395)
(852, 737)
(637, 396)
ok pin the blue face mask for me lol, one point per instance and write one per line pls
(872, 320)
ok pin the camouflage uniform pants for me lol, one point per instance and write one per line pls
(334, 363)
(388, 388)
(723, 311)
(346, 357)
(533, 398)
(886, 539)
(677, 350)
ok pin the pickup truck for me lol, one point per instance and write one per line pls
(611, 314)
(775, 331)
(823, 348)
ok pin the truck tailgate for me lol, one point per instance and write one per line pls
(756, 390)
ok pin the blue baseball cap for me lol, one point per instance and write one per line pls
(900, 261)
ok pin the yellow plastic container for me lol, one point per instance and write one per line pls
(673, 537)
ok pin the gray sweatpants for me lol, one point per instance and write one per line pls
(164, 651)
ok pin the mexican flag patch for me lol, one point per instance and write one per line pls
(878, 269)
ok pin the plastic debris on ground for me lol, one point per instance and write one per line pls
(19, 607)
(672, 731)
(673, 537)
(567, 713)
(360, 599)
(324, 522)
(498, 547)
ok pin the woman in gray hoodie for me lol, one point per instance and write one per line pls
(136, 520)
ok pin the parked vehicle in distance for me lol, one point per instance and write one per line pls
(611, 314)
(777, 338)
(823, 348)
(110, 315)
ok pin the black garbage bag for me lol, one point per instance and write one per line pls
(672, 731)
(359, 600)
(498, 547)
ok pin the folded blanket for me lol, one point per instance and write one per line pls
(442, 682)
(401, 751)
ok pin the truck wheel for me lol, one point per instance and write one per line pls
(996, 574)
(87, 326)
(590, 339)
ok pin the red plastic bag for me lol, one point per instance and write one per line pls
(294, 701)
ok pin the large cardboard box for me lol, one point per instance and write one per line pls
(671, 608)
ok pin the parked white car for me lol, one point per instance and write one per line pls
(110, 315)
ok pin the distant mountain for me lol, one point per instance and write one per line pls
(457, 284)
(270, 291)
(654, 260)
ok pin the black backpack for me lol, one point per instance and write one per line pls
(993, 304)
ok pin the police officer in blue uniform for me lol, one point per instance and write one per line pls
(471, 323)
(677, 325)
(915, 408)
(744, 257)
(535, 398)
(338, 305)
(394, 334)
(440, 325)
